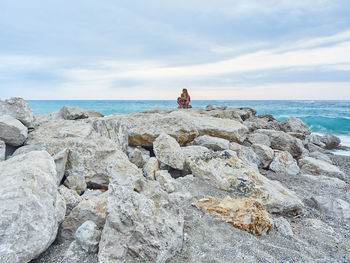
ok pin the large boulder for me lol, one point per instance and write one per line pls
(224, 170)
(73, 113)
(12, 131)
(258, 138)
(265, 154)
(334, 207)
(295, 125)
(142, 225)
(184, 126)
(261, 123)
(246, 154)
(284, 163)
(94, 157)
(168, 151)
(18, 109)
(284, 142)
(214, 143)
(330, 141)
(31, 207)
(319, 167)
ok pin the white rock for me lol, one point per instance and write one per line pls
(76, 182)
(61, 161)
(2, 150)
(12, 131)
(265, 154)
(224, 170)
(88, 236)
(257, 138)
(319, 167)
(246, 154)
(165, 180)
(26, 149)
(73, 113)
(18, 109)
(283, 162)
(168, 151)
(91, 208)
(31, 207)
(295, 125)
(214, 143)
(333, 206)
(194, 150)
(150, 168)
(283, 226)
(71, 197)
(136, 158)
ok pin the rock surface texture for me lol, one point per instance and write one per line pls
(12, 131)
(18, 109)
(31, 207)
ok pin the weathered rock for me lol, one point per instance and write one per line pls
(246, 154)
(2, 150)
(224, 170)
(214, 143)
(295, 125)
(184, 126)
(247, 215)
(332, 206)
(168, 151)
(165, 180)
(73, 113)
(71, 197)
(330, 141)
(136, 158)
(265, 154)
(150, 168)
(258, 138)
(88, 236)
(209, 107)
(31, 207)
(319, 167)
(316, 139)
(76, 182)
(26, 149)
(76, 254)
(320, 156)
(325, 180)
(261, 123)
(194, 150)
(283, 226)
(112, 129)
(18, 109)
(283, 162)
(141, 225)
(12, 131)
(61, 161)
(90, 155)
(284, 142)
(91, 208)
(94, 114)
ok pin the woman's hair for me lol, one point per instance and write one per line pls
(185, 92)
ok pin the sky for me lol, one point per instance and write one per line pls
(151, 50)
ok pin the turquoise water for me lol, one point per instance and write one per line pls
(321, 116)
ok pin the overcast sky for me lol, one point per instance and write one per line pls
(151, 49)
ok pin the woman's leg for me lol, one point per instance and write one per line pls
(179, 102)
(187, 102)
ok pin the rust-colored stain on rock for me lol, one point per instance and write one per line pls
(245, 214)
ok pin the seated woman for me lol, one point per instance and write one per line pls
(184, 100)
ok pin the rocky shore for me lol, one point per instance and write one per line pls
(217, 184)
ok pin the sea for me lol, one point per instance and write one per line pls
(323, 117)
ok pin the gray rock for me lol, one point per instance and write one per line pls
(31, 207)
(295, 125)
(18, 109)
(214, 143)
(320, 156)
(91, 208)
(26, 149)
(76, 254)
(12, 131)
(261, 123)
(76, 182)
(325, 180)
(139, 157)
(333, 206)
(265, 154)
(61, 161)
(284, 142)
(330, 141)
(258, 138)
(209, 107)
(283, 226)
(73, 113)
(94, 114)
(284, 163)
(316, 139)
(150, 168)
(168, 151)
(88, 236)
(2, 150)
(165, 180)
(71, 197)
(246, 154)
(194, 150)
(318, 167)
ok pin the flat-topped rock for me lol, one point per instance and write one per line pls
(319, 167)
(73, 113)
